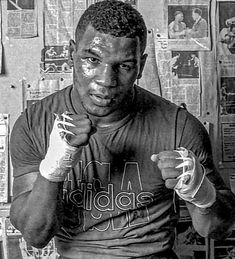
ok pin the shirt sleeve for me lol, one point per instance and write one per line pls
(24, 155)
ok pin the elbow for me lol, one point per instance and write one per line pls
(35, 241)
(34, 234)
(36, 237)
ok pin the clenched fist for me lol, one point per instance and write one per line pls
(182, 172)
(69, 134)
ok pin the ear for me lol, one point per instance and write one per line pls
(72, 49)
(142, 64)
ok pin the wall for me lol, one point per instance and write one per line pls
(21, 59)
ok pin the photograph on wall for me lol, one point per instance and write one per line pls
(226, 38)
(227, 96)
(185, 64)
(226, 28)
(55, 60)
(188, 25)
(22, 19)
(228, 142)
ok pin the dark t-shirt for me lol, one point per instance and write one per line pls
(115, 201)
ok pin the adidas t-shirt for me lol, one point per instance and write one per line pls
(115, 202)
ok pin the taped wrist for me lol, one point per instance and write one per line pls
(193, 185)
(60, 156)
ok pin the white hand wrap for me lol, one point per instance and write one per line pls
(60, 156)
(193, 186)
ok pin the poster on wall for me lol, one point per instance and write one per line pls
(179, 73)
(188, 24)
(22, 19)
(4, 154)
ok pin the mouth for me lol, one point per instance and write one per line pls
(101, 100)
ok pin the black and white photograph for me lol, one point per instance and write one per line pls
(118, 132)
(188, 21)
(185, 64)
(226, 29)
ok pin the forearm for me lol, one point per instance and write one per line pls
(38, 214)
(216, 221)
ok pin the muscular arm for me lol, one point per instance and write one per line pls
(38, 213)
(216, 221)
(38, 178)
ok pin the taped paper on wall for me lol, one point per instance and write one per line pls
(188, 24)
(60, 20)
(22, 19)
(40, 88)
(179, 73)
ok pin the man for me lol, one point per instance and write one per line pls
(226, 39)
(199, 29)
(95, 164)
(176, 28)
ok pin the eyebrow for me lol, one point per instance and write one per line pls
(92, 52)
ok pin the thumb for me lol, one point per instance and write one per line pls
(155, 157)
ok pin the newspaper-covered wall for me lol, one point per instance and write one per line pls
(22, 19)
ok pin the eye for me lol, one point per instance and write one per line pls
(93, 60)
(126, 66)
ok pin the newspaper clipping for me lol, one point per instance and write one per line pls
(4, 136)
(228, 139)
(188, 24)
(21, 19)
(60, 20)
(179, 73)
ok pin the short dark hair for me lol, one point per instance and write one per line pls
(116, 18)
(178, 12)
(198, 11)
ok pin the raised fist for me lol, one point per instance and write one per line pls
(182, 171)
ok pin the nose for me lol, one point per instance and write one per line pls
(107, 76)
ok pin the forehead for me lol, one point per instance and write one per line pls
(106, 43)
